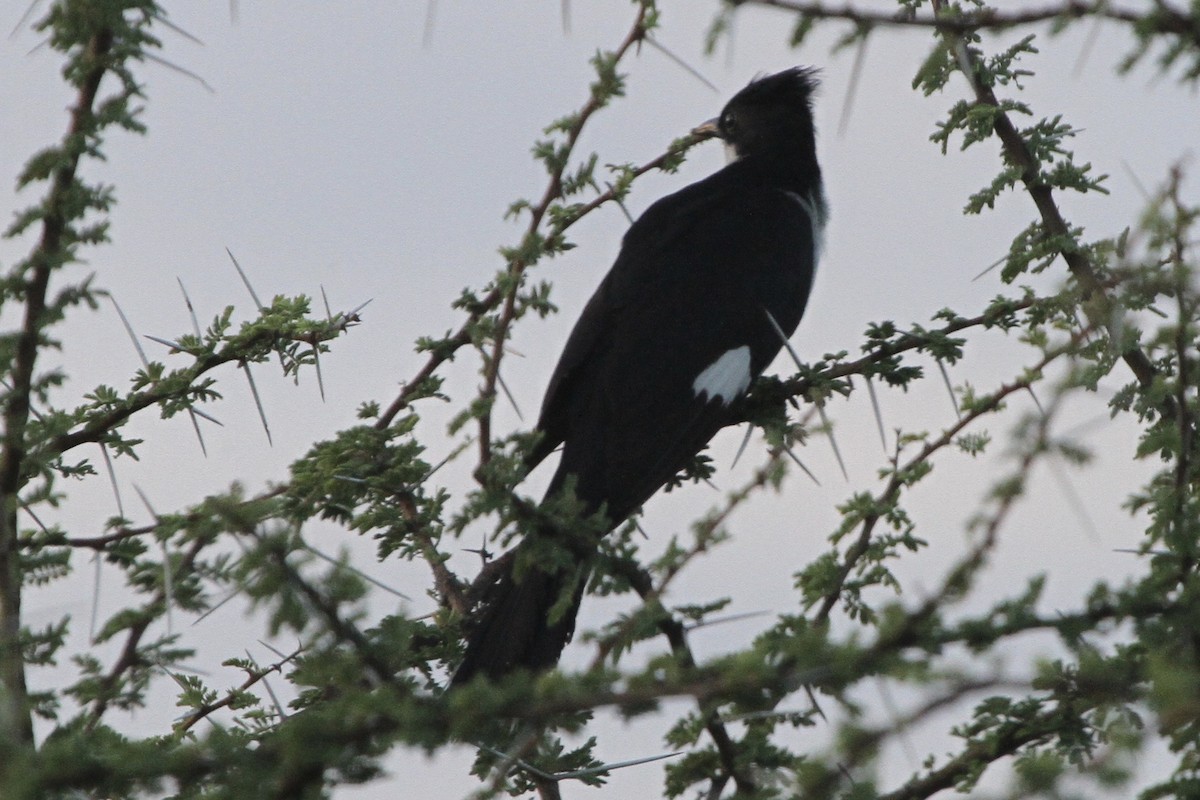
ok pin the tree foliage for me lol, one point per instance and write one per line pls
(1123, 676)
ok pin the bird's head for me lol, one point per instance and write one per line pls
(772, 116)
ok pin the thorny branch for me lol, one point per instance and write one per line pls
(97, 427)
(498, 296)
(864, 744)
(130, 658)
(799, 387)
(794, 387)
(344, 631)
(707, 686)
(51, 251)
(1185, 334)
(554, 190)
(99, 543)
(1015, 737)
(253, 676)
(1164, 19)
(446, 583)
(1101, 309)
(1012, 740)
(896, 483)
(675, 632)
(642, 581)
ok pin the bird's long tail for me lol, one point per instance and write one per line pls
(525, 621)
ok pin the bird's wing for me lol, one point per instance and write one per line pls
(657, 227)
(580, 347)
(674, 334)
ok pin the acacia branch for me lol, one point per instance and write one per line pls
(108, 685)
(238, 349)
(643, 582)
(798, 387)
(1098, 306)
(345, 631)
(674, 631)
(253, 677)
(865, 744)
(1007, 742)
(553, 193)
(500, 298)
(100, 543)
(1164, 19)
(53, 250)
(896, 483)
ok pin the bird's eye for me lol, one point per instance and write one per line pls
(729, 122)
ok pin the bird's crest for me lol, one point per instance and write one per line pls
(800, 82)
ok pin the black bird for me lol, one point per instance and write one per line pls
(708, 283)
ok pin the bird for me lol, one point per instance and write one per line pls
(708, 284)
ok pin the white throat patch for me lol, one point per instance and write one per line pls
(727, 378)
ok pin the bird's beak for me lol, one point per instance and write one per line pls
(707, 130)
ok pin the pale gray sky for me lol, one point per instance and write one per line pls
(337, 149)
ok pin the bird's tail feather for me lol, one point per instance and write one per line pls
(524, 623)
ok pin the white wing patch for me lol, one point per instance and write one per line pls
(814, 207)
(726, 378)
